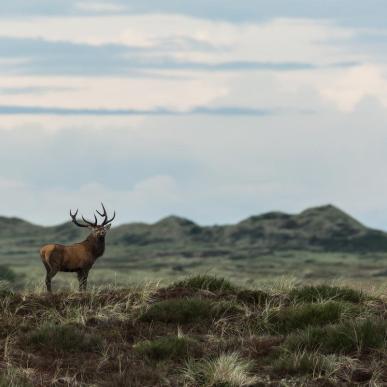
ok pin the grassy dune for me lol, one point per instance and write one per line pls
(200, 331)
(321, 243)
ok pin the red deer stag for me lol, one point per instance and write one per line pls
(79, 257)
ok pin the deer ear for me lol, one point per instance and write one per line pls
(108, 226)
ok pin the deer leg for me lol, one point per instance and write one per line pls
(82, 278)
(48, 282)
(49, 276)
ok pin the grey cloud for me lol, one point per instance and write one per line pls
(38, 56)
(42, 57)
(347, 12)
(33, 90)
(216, 110)
(70, 158)
(225, 168)
(372, 42)
(25, 8)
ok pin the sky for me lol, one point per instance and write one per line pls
(210, 110)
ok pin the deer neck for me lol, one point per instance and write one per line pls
(97, 245)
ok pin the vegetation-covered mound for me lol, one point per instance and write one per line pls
(324, 228)
(202, 331)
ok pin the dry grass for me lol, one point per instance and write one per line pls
(224, 370)
(200, 332)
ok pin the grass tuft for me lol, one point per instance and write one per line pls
(7, 274)
(320, 293)
(257, 297)
(169, 347)
(5, 289)
(313, 363)
(127, 336)
(206, 282)
(13, 377)
(188, 310)
(178, 311)
(295, 317)
(349, 336)
(66, 338)
(227, 370)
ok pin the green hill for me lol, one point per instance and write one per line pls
(324, 228)
(320, 242)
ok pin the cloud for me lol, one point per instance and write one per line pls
(345, 12)
(175, 39)
(219, 110)
(111, 93)
(99, 7)
(147, 200)
(207, 168)
(32, 90)
(6, 184)
(343, 88)
(40, 57)
(355, 85)
(103, 69)
(212, 111)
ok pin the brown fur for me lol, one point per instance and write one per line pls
(79, 257)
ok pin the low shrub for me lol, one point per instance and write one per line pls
(178, 310)
(66, 338)
(343, 338)
(300, 316)
(227, 370)
(207, 282)
(226, 309)
(188, 310)
(7, 274)
(313, 363)
(5, 289)
(169, 347)
(257, 297)
(13, 377)
(324, 292)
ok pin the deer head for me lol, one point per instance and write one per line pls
(98, 230)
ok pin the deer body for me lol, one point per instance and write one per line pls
(79, 257)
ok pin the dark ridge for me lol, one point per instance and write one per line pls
(175, 221)
(267, 216)
(12, 226)
(323, 228)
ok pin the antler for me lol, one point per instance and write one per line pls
(91, 223)
(74, 219)
(104, 215)
(95, 224)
